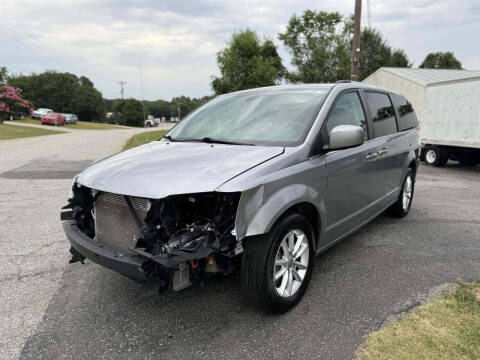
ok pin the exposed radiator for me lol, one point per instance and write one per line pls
(115, 225)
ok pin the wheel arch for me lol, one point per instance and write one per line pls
(414, 166)
(257, 216)
(308, 210)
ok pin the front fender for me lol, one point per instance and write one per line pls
(258, 209)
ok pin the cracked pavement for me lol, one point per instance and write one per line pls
(51, 309)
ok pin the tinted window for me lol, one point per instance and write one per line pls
(407, 118)
(381, 108)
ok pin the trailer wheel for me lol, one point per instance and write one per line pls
(435, 156)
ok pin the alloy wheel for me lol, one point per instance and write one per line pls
(407, 193)
(291, 263)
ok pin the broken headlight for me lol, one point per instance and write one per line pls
(74, 183)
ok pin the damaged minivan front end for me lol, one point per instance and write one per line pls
(175, 241)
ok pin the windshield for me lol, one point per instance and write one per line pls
(270, 117)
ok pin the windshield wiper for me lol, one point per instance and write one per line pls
(168, 137)
(218, 141)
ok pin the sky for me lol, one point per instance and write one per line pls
(172, 45)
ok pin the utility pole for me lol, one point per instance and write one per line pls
(141, 87)
(121, 83)
(369, 14)
(356, 41)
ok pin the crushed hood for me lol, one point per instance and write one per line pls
(161, 168)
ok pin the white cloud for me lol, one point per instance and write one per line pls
(177, 41)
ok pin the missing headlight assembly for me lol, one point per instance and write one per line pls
(177, 240)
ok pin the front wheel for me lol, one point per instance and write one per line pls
(277, 267)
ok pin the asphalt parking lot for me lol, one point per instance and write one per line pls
(87, 312)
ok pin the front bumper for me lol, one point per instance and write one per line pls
(125, 264)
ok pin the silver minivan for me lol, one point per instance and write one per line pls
(259, 180)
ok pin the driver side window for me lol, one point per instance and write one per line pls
(346, 111)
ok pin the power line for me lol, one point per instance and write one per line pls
(9, 66)
(32, 44)
(25, 40)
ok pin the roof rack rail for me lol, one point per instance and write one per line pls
(344, 81)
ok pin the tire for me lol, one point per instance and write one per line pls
(402, 206)
(422, 154)
(435, 156)
(258, 265)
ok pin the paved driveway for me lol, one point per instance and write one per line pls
(88, 312)
(35, 174)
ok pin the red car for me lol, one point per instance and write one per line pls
(53, 119)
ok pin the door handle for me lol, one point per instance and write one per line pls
(382, 151)
(372, 156)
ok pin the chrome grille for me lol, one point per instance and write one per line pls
(115, 225)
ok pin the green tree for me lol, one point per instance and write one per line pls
(247, 63)
(400, 59)
(319, 43)
(441, 60)
(88, 102)
(159, 108)
(375, 53)
(129, 112)
(62, 92)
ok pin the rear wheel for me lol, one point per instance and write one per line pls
(402, 206)
(435, 156)
(276, 267)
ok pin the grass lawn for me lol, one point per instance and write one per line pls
(81, 125)
(13, 132)
(446, 328)
(84, 125)
(143, 138)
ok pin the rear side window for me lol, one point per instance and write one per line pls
(407, 118)
(381, 108)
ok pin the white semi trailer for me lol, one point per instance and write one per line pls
(447, 103)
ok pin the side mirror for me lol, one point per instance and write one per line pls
(345, 136)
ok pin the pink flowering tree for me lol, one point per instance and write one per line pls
(11, 101)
